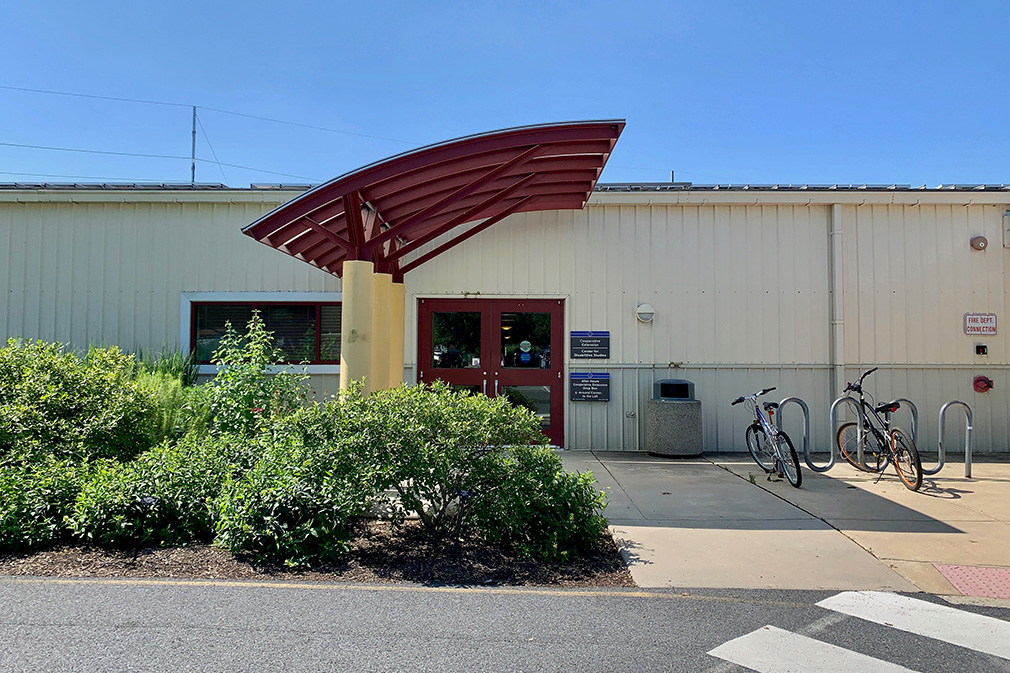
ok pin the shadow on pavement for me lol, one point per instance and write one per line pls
(848, 506)
(729, 492)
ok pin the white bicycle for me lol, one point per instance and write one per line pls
(770, 448)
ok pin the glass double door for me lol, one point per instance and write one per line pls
(500, 348)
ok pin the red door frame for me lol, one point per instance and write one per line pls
(426, 370)
(492, 375)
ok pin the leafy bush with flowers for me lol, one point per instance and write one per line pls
(245, 461)
(249, 391)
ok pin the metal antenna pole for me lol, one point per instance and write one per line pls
(192, 166)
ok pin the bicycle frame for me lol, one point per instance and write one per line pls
(894, 446)
(776, 452)
(880, 429)
(764, 420)
(869, 418)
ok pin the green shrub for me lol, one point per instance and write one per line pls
(54, 403)
(244, 394)
(297, 503)
(174, 364)
(434, 443)
(34, 501)
(163, 497)
(524, 499)
(180, 409)
(518, 399)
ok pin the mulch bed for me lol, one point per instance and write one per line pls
(378, 555)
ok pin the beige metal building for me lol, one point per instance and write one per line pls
(795, 287)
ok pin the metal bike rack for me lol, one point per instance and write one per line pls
(915, 418)
(967, 439)
(834, 422)
(806, 432)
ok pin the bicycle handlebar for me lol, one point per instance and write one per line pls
(855, 386)
(754, 396)
(867, 373)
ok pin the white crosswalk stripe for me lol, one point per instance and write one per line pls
(940, 622)
(774, 650)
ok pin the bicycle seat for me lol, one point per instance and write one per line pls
(771, 405)
(887, 407)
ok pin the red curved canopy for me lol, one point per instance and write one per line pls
(391, 208)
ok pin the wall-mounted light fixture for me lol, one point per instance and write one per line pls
(645, 313)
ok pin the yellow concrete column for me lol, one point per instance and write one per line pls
(380, 331)
(356, 323)
(397, 308)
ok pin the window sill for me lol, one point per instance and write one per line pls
(212, 370)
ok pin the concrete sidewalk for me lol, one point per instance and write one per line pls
(952, 537)
(707, 523)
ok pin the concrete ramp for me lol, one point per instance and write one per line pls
(692, 523)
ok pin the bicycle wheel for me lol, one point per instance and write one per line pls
(757, 444)
(847, 442)
(906, 460)
(788, 460)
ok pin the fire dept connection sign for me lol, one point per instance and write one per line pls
(980, 324)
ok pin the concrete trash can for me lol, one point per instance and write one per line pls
(673, 420)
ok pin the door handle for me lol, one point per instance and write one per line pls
(496, 387)
(485, 387)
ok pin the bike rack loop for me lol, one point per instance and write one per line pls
(915, 418)
(806, 430)
(834, 422)
(967, 439)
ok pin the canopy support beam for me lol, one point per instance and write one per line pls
(464, 217)
(355, 225)
(467, 234)
(459, 194)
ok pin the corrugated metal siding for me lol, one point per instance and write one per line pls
(608, 427)
(112, 273)
(740, 289)
(910, 276)
(731, 284)
(734, 287)
(930, 388)
(741, 295)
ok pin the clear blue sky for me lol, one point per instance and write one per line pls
(728, 92)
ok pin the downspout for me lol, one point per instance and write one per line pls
(836, 308)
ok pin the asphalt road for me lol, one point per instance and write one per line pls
(137, 625)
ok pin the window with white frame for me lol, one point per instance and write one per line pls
(305, 331)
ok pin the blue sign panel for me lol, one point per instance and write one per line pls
(589, 387)
(591, 345)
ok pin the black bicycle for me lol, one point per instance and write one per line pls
(878, 445)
